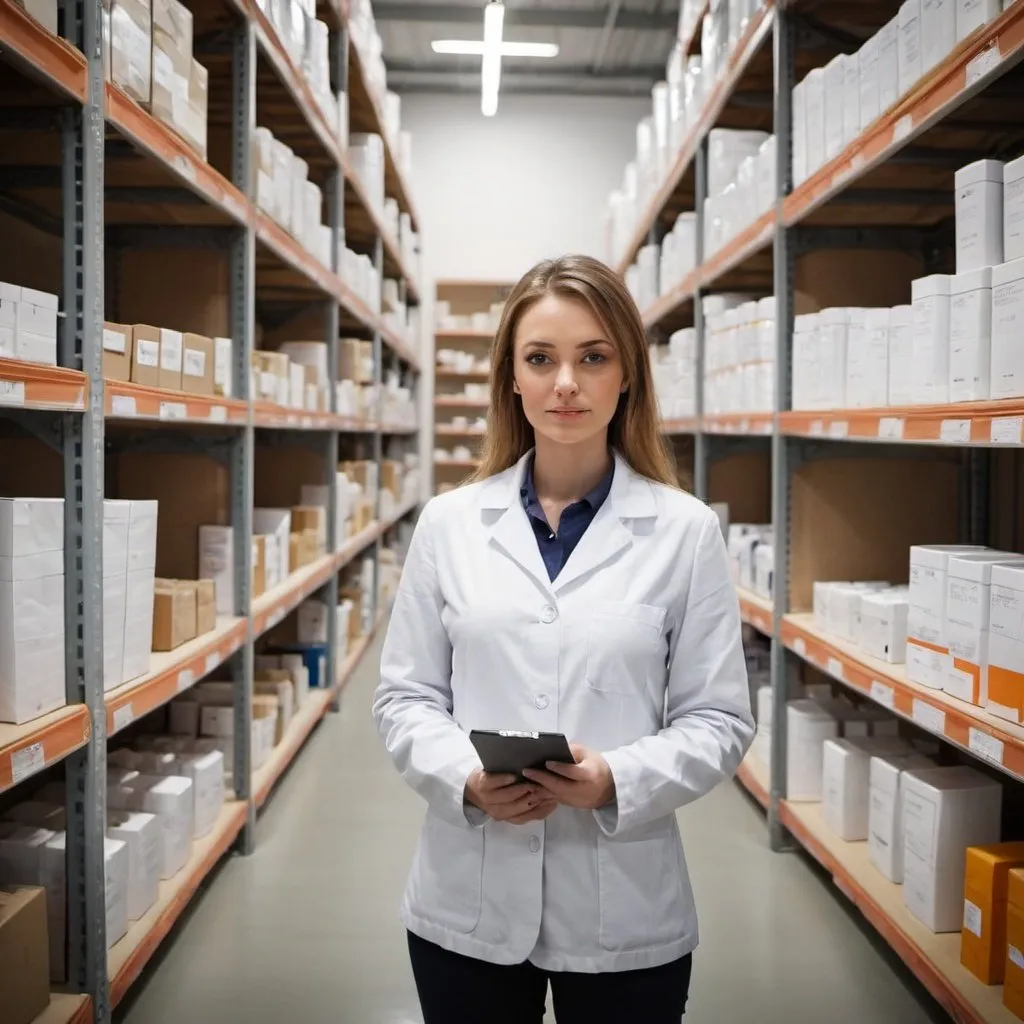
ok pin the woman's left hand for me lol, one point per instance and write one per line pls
(588, 784)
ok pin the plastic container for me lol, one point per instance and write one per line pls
(979, 215)
(901, 355)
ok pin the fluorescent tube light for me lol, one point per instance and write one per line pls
(490, 71)
(475, 48)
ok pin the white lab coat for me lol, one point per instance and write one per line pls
(634, 650)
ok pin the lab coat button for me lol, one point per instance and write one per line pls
(541, 701)
(548, 614)
(534, 844)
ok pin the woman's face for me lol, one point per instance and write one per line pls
(567, 371)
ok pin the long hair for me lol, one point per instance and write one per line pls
(635, 430)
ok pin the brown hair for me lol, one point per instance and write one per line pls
(635, 430)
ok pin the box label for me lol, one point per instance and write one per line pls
(931, 718)
(985, 62)
(185, 679)
(1006, 430)
(122, 405)
(12, 392)
(195, 362)
(147, 353)
(985, 746)
(955, 431)
(27, 761)
(114, 341)
(123, 716)
(884, 694)
(972, 917)
(890, 428)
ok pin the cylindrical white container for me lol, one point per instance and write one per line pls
(970, 335)
(1013, 210)
(1007, 379)
(979, 215)
(901, 355)
(930, 299)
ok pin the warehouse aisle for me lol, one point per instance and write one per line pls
(306, 929)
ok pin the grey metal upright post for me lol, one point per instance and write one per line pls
(243, 314)
(700, 439)
(83, 440)
(784, 43)
(378, 439)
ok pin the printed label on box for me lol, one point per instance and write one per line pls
(972, 917)
(114, 341)
(27, 761)
(147, 353)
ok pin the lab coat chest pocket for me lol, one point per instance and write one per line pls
(624, 645)
(640, 879)
(445, 885)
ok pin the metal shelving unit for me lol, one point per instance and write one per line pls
(113, 156)
(889, 191)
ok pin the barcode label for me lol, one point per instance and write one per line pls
(12, 392)
(218, 414)
(838, 428)
(122, 405)
(883, 693)
(955, 431)
(123, 716)
(985, 746)
(185, 679)
(173, 410)
(890, 428)
(1006, 430)
(928, 717)
(27, 761)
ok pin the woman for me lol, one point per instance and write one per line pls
(571, 587)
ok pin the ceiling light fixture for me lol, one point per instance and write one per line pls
(475, 48)
(490, 68)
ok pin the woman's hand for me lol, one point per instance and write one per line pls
(587, 784)
(502, 798)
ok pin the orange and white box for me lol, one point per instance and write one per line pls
(1013, 981)
(1005, 696)
(927, 646)
(968, 580)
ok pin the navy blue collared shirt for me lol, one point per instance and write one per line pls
(555, 548)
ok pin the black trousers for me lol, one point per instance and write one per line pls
(456, 989)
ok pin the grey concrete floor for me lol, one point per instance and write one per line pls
(306, 930)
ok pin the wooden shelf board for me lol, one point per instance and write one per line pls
(35, 386)
(755, 610)
(41, 54)
(25, 750)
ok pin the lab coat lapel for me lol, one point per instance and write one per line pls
(631, 497)
(510, 531)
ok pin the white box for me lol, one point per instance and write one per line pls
(845, 786)
(170, 799)
(869, 92)
(851, 98)
(140, 832)
(888, 65)
(217, 563)
(814, 89)
(938, 32)
(1005, 696)
(972, 14)
(902, 376)
(968, 581)
(116, 517)
(138, 627)
(809, 725)
(945, 810)
(115, 614)
(216, 720)
(207, 774)
(970, 335)
(835, 79)
(927, 646)
(312, 621)
(909, 51)
(171, 351)
(1013, 209)
(1007, 329)
(843, 606)
(833, 332)
(883, 625)
(885, 813)
(979, 214)
(142, 535)
(31, 526)
(930, 297)
(277, 523)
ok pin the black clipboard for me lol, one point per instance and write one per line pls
(506, 751)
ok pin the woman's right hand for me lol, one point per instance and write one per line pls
(502, 798)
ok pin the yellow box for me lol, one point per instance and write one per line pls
(1013, 985)
(983, 936)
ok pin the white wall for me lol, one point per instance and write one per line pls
(497, 194)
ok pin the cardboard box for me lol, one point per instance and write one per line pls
(140, 832)
(217, 563)
(276, 523)
(145, 355)
(983, 936)
(191, 121)
(311, 517)
(117, 351)
(131, 48)
(945, 811)
(1013, 982)
(1005, 690)
(259, 565)
(1007, 355)
(170, 359)
(206, 606)
(24, 954)
(172, 59)
(197, 368)
(174, 614)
